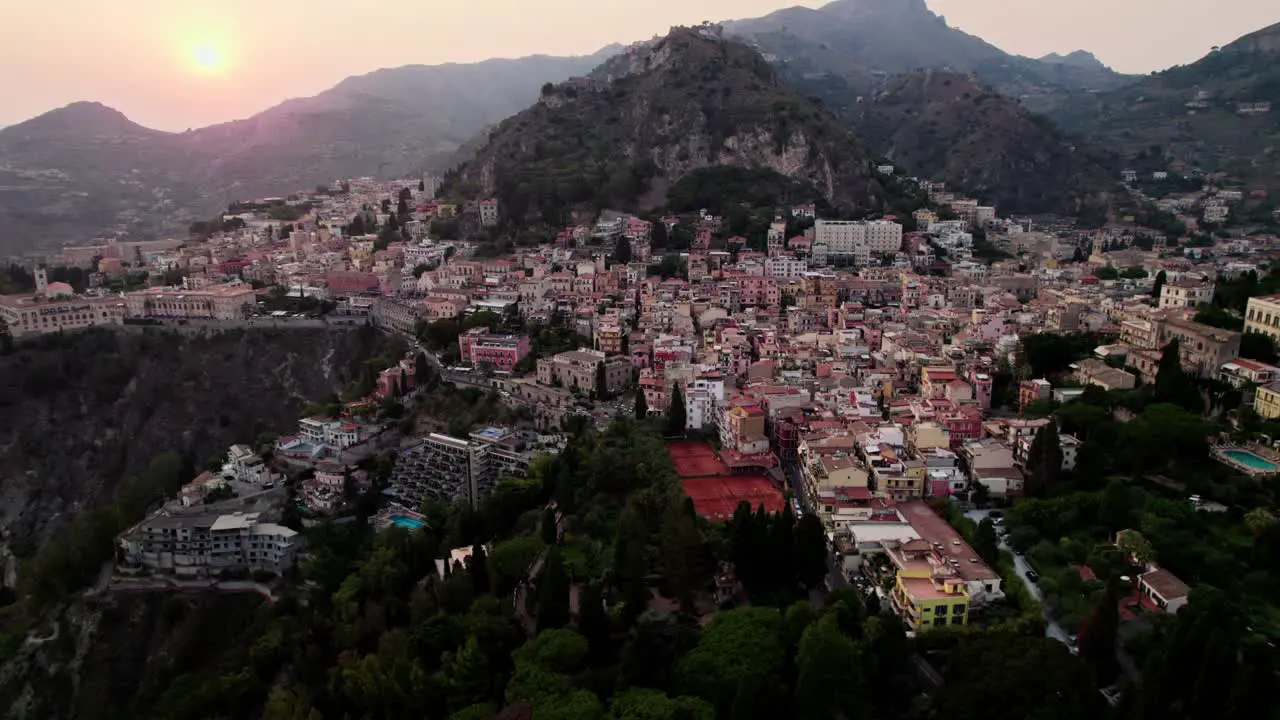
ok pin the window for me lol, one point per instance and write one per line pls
(957, 620)
(957, 609)
(940, 610)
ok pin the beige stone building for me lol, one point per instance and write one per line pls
(1262, 315)
(577, 369)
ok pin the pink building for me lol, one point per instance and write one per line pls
(396, 380)
(501, 352)
(351, 282)
(759, 291)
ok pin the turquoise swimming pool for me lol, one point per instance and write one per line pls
(405, 521)
(1251, 461)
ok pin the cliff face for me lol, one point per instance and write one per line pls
(127, 656)
(81, 412)
(622, 136)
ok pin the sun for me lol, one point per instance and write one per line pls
(208, 60)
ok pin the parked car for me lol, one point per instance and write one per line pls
(1032, 576)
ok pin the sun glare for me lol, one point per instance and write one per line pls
(207, 59)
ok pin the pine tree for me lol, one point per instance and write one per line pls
(422, 186)
(1044, 460)
(642, 405)
(356, 228)
(402, 208)
(1161, 277)
(677, 418)
(392, 222)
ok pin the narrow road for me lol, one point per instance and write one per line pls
(1051, 627)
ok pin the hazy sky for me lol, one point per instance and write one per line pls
(143, 57)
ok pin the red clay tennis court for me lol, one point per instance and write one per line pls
(695, 459)
(715, 492)
(718, 497)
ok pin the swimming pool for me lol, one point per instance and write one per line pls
(405, 521)
(1251, 461)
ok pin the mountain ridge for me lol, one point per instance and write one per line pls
(1204, 115)
(85, 169)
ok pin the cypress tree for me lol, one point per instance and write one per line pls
(1044, 461)
(677, 417)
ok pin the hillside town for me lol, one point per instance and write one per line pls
(861, 367)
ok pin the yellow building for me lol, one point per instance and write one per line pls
(1262, 315)
(927, 592)
(1266, 401)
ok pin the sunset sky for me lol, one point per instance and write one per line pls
(173, 65)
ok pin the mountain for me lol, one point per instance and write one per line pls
(1200, 115)
(86, 169)
(1079, 58)
(621, 137)
(950, 127)
(854, 45)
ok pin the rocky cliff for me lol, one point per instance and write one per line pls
(81, 412)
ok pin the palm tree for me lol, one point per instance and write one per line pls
(1259, 520)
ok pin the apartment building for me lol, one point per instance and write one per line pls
(1262, 315)
(205, 544)
(702, 399)
(608, 335)
(397, 314)
(448, 469)
(441, 468)
(850, 238)
(232, 301)
(1186, 293)
(577, 369)
(939, 578)
(245, 465)
(784, 266)
(500, 352)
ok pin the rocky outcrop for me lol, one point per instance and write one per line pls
(647, 117)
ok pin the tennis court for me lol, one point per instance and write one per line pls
(695, 459)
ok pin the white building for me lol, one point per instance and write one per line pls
(243, 464)
(1186, 293)
(703, 397)
(857, 240)
(200, 545)
(784, 266)
(332, 433)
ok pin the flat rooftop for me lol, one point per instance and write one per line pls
(936, 531)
